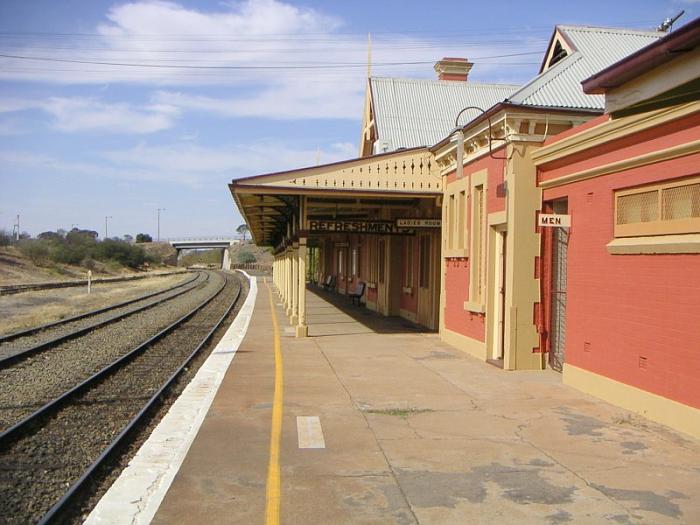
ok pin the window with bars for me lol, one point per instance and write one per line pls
(662, 209)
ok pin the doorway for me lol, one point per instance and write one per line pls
(428, 280)
(499, 296)
(560, 248)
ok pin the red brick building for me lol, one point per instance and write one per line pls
(621, 286)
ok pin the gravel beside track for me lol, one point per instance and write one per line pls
(13, 344)
(29, 384)
(37, 469)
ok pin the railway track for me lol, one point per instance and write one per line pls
(48, 458)
(22, 344)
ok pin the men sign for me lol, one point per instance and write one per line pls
(554, 220)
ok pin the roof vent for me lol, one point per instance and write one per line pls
(453, 69)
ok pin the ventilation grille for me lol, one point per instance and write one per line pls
(638, 207)
(681, 202)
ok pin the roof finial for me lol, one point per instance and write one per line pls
(369, 55)
(668, 23)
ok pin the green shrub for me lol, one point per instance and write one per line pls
(246, 258)
(120, 251)
(36, 250)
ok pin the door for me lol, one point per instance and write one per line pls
(426, 280)
(499, 297)
(382, 297)
(560, 246)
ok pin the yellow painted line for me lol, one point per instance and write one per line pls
(272, 497)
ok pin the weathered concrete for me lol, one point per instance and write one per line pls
(418, 432)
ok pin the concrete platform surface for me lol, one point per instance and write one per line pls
(415, 431)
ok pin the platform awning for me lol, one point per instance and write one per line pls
(349, 189)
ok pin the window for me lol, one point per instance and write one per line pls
(662, 209)
(355, 261)
(455, 229)
(477, 251)
(451, 222)
(461, 219)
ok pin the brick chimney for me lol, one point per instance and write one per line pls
(453, 69)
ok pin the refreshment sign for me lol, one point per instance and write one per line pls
(370, 227)
(418, 223)
(555, 221)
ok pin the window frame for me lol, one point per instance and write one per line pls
(660, 226)
(456, 226)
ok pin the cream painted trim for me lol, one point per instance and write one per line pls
(660, 409)
(406, 314)
(661, 244)
(673, 152)
(610, 130)
(462, 342)
(477, 308)
(497, 217)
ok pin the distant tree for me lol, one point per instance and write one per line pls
(5, 238)
(78, 236)
(128, 238)
(243, 230)
(24, 236)
(143, 237)
(246, 257)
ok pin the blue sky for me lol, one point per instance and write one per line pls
(260, 85)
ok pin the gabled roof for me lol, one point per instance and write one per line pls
(591, 50)
(672, 46)
(410, 113)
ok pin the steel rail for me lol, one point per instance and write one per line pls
(121, 437)
(35, 329)
(13, 432)
(23, 354)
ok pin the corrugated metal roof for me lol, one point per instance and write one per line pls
(595, 48)
(413, 112)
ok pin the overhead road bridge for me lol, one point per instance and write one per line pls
(206, 243)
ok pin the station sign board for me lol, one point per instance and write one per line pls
(367, 227)
(549, 220)
(419, 223)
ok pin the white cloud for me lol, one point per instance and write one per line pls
(180, 164)
(77, 114)
(265, 35)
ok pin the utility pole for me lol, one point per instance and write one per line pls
(159, 210)
(15, 229)
(107, 217)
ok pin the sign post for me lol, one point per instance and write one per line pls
(89, 280)
(548, 220)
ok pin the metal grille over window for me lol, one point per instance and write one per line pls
(681, 202)
(638, 207)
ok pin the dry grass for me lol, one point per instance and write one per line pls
(29, 309)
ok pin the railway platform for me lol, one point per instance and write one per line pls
(369, 420)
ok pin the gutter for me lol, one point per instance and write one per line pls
(664, 50)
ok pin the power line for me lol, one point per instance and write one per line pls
(239, 67)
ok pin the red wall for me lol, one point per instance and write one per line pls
(457, 318)
(621, 308)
